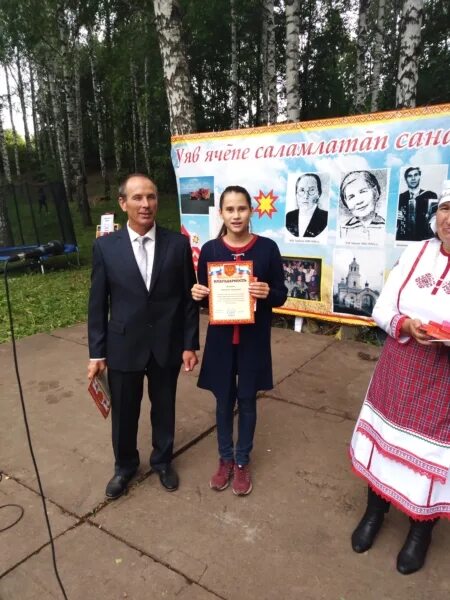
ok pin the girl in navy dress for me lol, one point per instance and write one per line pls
(237, 359)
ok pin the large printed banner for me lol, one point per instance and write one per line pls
(341, 197)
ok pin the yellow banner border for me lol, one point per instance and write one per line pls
(333, 123)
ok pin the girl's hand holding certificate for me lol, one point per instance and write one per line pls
(259, 289)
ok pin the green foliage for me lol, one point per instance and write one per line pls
(44, 302)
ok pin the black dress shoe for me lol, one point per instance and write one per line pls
(117, 486)
(412, 556)
(168, 478)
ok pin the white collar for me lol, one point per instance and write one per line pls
(134, 235)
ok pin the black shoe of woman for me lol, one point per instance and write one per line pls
(412, 556)
(367, 529)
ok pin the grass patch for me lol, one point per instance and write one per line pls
(59, 298)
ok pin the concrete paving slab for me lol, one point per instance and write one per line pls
(76, 333)
(30, 532)
(335, 381)
(292, 350)
(290, 538)
(71, 439)
(95, 566)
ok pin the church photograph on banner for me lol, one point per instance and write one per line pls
(341, 198)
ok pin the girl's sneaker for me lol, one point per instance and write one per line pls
(221, 479)
(242, 480)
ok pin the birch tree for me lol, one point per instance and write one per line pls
(269, 76)
(21, 92)
(13, 126)
(34, 114)
(234, 69)
(76, 174)
(377, 55)
(98, 117)
(361, 52)
(5, 228)
(292, 59)
(3, 148)
(60, 133)
(272, 103)
(175, 67)
(140, 118)
(408, 68)
(78, 114)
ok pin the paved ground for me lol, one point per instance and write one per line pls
(288, 540)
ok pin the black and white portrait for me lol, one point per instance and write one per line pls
(418, 187)
(307, 205)
(362, 207)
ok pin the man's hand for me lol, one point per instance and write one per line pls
(189, 360)
(96, 367)
(411, 327)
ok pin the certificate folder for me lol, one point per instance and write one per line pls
(230, 302)
(99, 390)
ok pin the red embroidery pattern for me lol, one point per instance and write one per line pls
(426, 280)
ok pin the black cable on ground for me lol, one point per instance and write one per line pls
(18, 518)
(30, 445)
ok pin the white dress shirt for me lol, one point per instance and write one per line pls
(149, 249)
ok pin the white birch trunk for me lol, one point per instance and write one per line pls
(76, 174)
(292, 8)
(272, 104)
(361, 50)
(60, 134)
(45, 109)
(34, 114)
(139, 116)
(117, 146)
(98, 117)
(378, 48)
(234, 69)
(11, 118)
(79, 116)
(6, 238)
(21, 92)
(146, 107)
(134, 129)
(264, 77)
(3, 148)
(175, 67)
(408, 68)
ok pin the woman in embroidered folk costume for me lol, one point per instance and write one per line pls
(237, 360)
(401, 442)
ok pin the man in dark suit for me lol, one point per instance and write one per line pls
(142, 321)
(414, 207)
(307, 220)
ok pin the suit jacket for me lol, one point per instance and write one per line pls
(126, 322)
(316, 225)
(421, 230)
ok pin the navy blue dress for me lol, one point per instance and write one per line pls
(254, 360)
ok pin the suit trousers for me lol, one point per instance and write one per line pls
(126, 395)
